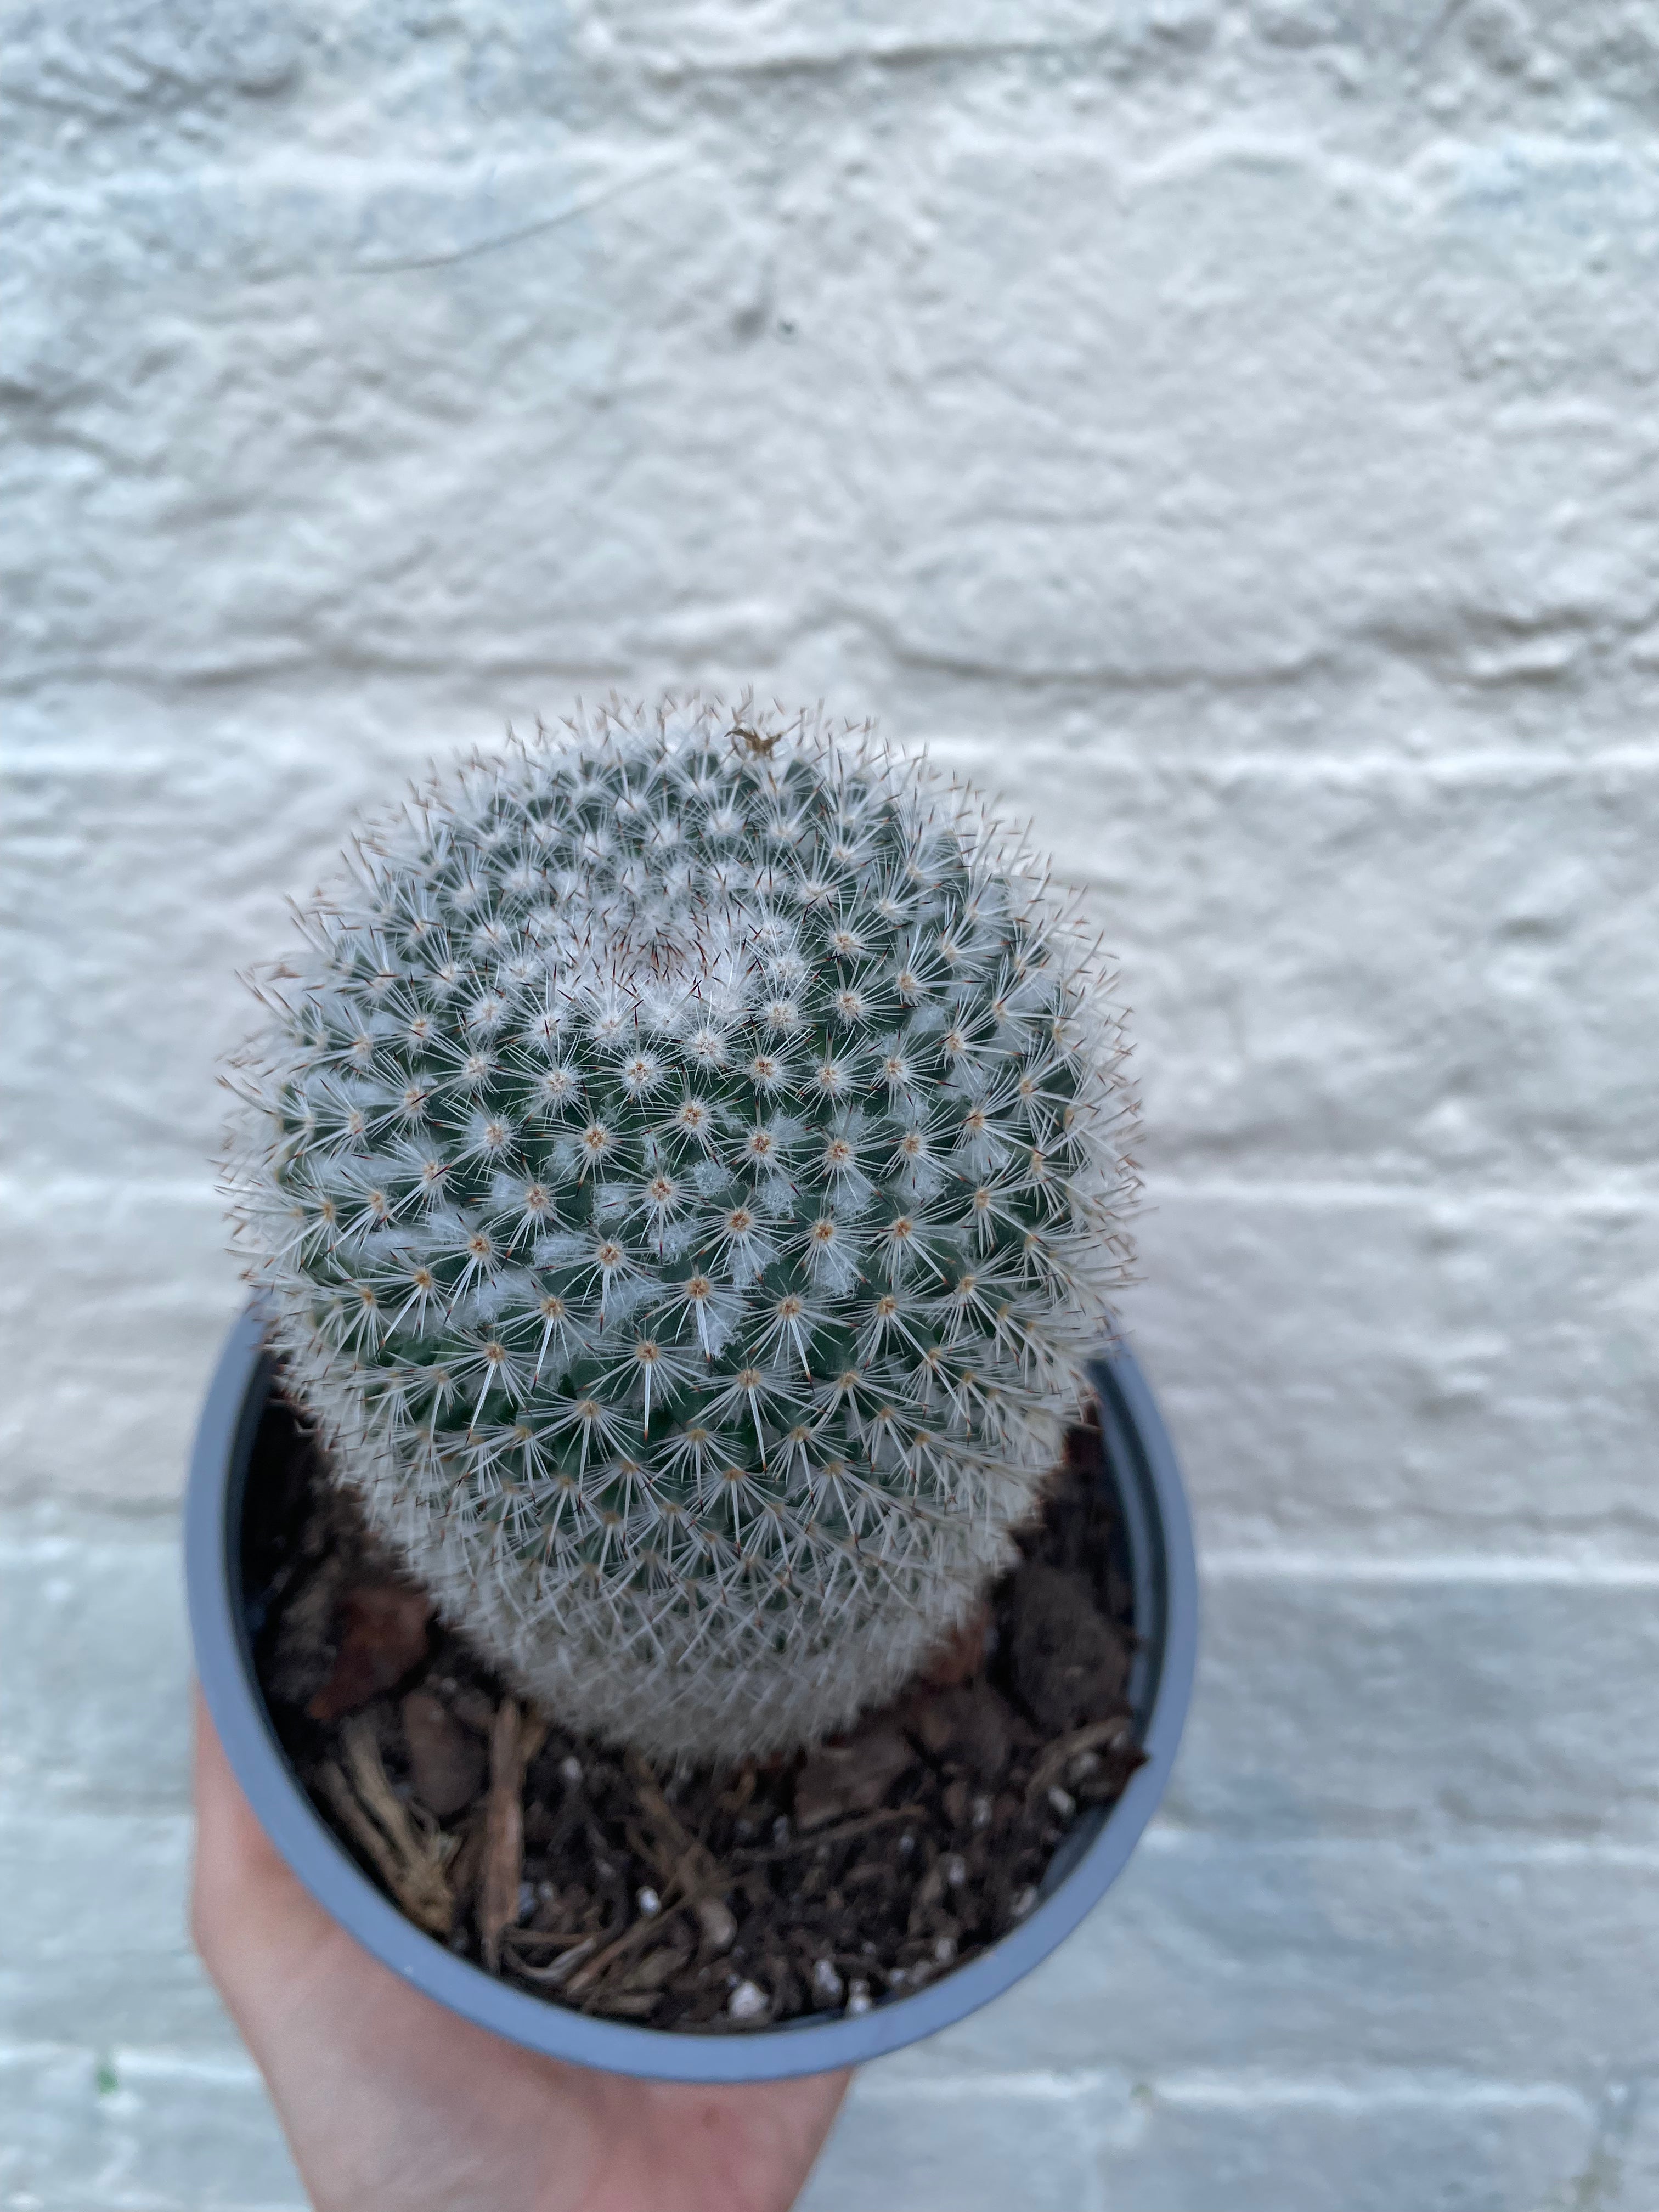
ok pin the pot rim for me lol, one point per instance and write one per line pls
(1159, 1530)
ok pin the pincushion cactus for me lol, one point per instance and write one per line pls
(685, 1172)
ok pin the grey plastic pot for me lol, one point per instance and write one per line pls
(1141, 1469)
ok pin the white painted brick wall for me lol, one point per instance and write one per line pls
(1226, 429)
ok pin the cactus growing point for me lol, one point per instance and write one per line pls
(685, 1169)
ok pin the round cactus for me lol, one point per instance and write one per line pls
(685, 1171)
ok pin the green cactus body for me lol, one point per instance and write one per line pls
(686, 1171)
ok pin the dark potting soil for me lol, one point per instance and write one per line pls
(819, 1883)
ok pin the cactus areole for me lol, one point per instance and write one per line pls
(684, 1165)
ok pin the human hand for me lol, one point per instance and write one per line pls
(390, 2101)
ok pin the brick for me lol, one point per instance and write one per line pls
(185, 832)
(1133, 37)
(121, 2128)
(91, 2129)
(115, 64)
(50, 2097)
(161, 84)
(107, 85)
(96, 1947)
(1164, 466)
(94, 1713)
(1489, 1699)
(1627, 2163)
(114, 1307)
(1252, 2142)
(1353, 1370)
(1200, 346)
(909, 2146)
(1510, 1961)
(1411, 973)
(1309, 2145)
(1443, 997)
(412, 264)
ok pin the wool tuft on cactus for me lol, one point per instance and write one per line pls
(685, 1170)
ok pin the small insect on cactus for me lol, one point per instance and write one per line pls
(686, 1173)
